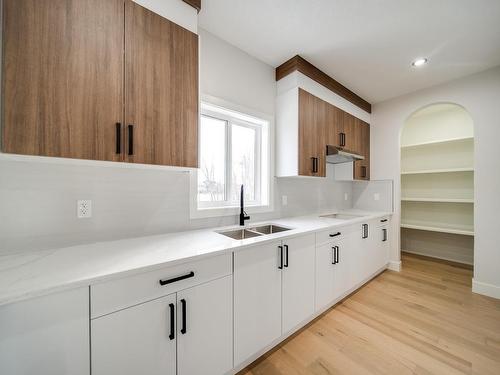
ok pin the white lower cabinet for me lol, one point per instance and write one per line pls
(273, 292)
(136, 340)
(335, 266)
(383, 246)
(257, 299)
(298, 281)
(325, 275)
(206, 347)
(47, 335)
(185, 333)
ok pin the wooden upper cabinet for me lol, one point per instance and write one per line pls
(349, 131)
(334, 125)
(312, 135)
(98, 79)
(62, 77)
(161, 90)
(362, 167)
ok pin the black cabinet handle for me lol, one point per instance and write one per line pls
(131, 139)
(281, 257)
(338, 254)
(384, 231)
(335, 234)
(363, 171)
(383, 220)
(286, 256)
(184, 308)
(365, 230)
(314, 164)
(178, 278)
(334, 256)
(172, 321)
(342, 139)
(118, 138)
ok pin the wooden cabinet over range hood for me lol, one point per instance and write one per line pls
(315, 115)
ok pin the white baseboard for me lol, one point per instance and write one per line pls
(394, 265)
(438, 257)
(486, 289)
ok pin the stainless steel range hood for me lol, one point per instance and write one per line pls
(336, 155)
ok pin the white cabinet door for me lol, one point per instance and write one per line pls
(341, 273)
(298, 280)
(353, 258)
(257, 299)
(325, 276)
(383, 248)
(46, 336)
(205, 333)
(137, 340)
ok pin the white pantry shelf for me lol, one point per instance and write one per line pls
(438, 142)
(439, 227)
(439, 200)
(446, 170)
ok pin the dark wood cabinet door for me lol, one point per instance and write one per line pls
(362, 167)
(161, 89)
(312, 146)
(334, 126)
(62, 77)
(349, 130)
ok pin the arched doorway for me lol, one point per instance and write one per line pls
(437, 183)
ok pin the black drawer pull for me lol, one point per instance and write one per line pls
(365, 231)
(383, 220)
(335, 234)
(314, 165)
(338, 254)
(118, 138)
(384, 231)
(286, 256)
(178, 278)
(281, 257)
(183, 306)
(172, 321)
(131, 139)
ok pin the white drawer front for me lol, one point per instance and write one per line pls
(115, 295)
(329, 235)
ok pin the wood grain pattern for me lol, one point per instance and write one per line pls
(161, 89)
(335, 125)
(423, 320)
(194, 3)
(306, 68)
(362, 167)
(62, 77)
(312, 127)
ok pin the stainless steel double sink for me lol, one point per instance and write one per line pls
(261, 230)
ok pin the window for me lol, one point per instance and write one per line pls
(233, 152)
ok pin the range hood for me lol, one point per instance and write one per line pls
(337, 155)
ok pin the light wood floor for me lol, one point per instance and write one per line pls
(423, 320)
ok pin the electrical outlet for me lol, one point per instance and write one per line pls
(376, 196)
(84, 209)
(284, 200)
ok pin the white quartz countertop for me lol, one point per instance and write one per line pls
(33, 274)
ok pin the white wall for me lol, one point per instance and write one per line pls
(479, 94)
(228, 73)
(38, 195)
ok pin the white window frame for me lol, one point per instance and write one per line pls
(222, 110)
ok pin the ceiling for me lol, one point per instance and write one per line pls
(367, 45)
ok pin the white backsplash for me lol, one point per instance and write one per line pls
(38, 202)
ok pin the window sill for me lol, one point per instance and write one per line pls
(199, 213)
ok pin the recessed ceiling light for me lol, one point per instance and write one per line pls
(419, 62)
